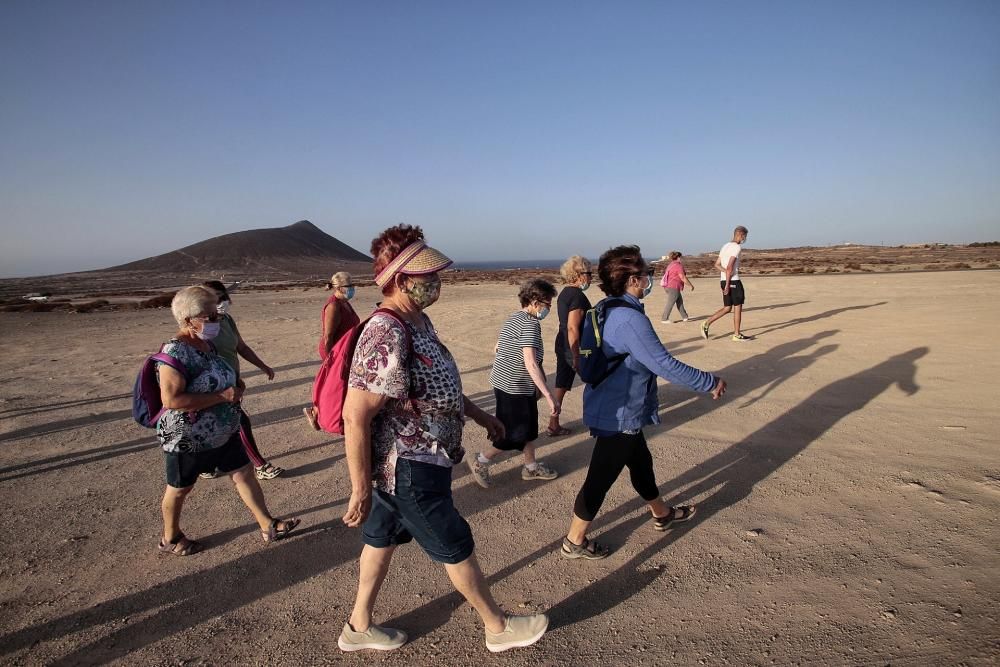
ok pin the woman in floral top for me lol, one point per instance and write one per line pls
(403, 420)
(199, 430)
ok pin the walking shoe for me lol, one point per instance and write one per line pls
(268, 471)
(740, 336)
(480, 471)
(589, 550)
(518, 631)
(678, 514)
(704, 330)
(376, 637)
(686, 319)
(209, 475)
(541, 471)
(665, 322)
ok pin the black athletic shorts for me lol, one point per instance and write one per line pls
(183, 468)
(565, 374)
(519, 414)
(735, 296)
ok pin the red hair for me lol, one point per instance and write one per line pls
(387, 246)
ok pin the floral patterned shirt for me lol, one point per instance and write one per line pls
(424, 416)
(186, 432)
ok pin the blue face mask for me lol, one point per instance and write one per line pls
(648, 288)
(542, 314)
(585, 286)
(350, 293)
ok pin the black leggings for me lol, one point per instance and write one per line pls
(611, 454)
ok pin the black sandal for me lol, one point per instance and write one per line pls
(589, 550)
(274, 534)
(678, 514)
(181, 546)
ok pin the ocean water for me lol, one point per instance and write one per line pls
(510, 264)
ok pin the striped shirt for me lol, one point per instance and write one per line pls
(521, 330)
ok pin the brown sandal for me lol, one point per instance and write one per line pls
(274, 533)
(181, 546)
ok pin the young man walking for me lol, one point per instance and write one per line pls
(732, 287)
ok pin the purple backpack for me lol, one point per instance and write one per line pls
(146, 404)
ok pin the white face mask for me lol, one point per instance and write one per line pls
(585, 286)
(209, 330)
(223, 307)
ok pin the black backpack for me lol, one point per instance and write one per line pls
(595, 366)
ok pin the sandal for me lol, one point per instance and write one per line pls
(181, 546)
(312, 416)
(589, 550)
(274, 533)
(678, 514)
(562, 430)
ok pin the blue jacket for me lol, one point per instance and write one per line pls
(626, 400)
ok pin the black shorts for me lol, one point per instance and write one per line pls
(735, 296)
(519, 414)
(565, 373)
(183, 468)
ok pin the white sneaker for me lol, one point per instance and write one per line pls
(665, 322)
(375, 637)
(519, 631)
(480, 471)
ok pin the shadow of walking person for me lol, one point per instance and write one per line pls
(735, 472)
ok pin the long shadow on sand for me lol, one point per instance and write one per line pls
(733, 473)
(192, 599)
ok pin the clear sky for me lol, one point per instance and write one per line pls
(507, 129)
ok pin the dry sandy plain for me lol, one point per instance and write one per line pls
(848, 485)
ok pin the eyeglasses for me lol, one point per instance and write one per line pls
(648, 271)
(589, 274)
(547, 304)
(214, 317)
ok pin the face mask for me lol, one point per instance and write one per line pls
(350, 293)
(585, 286)
(648, 288)
(542, 314)
(424, 294)
(223, 307)
(209, 330)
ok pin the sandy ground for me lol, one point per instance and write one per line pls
(848, 488)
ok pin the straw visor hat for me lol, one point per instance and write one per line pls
(415, 259)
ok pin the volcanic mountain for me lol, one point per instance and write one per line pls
(301, 249)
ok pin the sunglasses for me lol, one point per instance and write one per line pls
(214, 317)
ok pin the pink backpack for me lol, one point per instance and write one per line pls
(330, 386)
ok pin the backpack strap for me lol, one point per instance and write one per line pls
(609, 304)
(174, 363)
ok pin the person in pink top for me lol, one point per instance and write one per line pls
(673, 283)
(338, 318)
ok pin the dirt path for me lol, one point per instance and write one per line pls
(849, 489)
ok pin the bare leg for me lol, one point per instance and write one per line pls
(374, 564)
(719, 313)
(173, 503)
(470, 582)
(529, 453)
(249, 489)
(578, 530)
(737, 317)
(554, 425)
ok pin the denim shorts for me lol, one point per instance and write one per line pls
(421, 509)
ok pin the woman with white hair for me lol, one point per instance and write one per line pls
(338, 318)
(199, 429)
(577, 273)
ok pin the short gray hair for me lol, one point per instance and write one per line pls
(192, 302)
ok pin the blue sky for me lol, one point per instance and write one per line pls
(508, 130)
